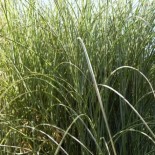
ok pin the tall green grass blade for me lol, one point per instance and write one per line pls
(98, 93)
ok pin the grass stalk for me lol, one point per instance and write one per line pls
(97, 93)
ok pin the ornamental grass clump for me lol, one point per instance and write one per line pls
(53, 101)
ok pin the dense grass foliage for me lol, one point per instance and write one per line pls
(47, 97)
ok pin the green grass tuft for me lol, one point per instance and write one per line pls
(48, 104)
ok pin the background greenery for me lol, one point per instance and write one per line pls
(46, 91)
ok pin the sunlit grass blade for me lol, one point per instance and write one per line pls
(98, 93)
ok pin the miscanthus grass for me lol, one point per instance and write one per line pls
(77, 78)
